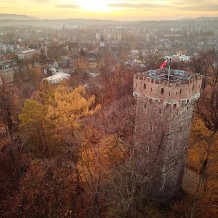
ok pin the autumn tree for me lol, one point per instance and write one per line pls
(48, 189)
(112, 84)
(34, 74)
(153, 61)
(206, 65)
(56, 115)
(205, 127)
(10, 160)
(98, 154)
(9, 106)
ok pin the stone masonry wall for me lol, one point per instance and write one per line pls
(162, 129)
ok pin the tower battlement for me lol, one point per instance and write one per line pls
(181, 85)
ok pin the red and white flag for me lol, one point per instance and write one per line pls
(163, 64)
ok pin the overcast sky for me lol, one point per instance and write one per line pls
(112, 9)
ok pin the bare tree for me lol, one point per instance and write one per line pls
(207, 111)
(9, 108)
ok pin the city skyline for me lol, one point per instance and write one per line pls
(111, 9)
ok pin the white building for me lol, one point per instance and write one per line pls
(3, 48)
(177, 58)
(57, 78)
(134, 53)
(184, 58)
(7, 70)
(10, 48)
(27, 54)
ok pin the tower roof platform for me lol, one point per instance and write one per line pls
(174, 77)
(179, 86)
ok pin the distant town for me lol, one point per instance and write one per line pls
(60, 47)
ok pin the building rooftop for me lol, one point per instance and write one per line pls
(6, 62)
(57, 78)
(163, 75)
(28, 51)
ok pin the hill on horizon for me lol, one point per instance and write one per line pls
(4, 16)
(7, 20)
(16, 17)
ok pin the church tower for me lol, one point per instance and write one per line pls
(164, 109)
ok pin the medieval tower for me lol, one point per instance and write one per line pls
(164, 107)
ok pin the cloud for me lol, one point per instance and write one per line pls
(195, 2)
(193, 5)
(199, 8)
(185, 5)
(66, 6)
(40, 1)
(133, 5)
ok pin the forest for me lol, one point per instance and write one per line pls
(68, 150)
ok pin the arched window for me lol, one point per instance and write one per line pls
(144, 86)
(180, 91)
(162, 90)
(193, 87)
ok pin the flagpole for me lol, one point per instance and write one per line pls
(169, 69)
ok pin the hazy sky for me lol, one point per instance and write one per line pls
(112, 9)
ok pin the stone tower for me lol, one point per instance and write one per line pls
(164, 109)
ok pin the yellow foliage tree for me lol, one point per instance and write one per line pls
(33, 112)
(99, 158)
(56, 113)
(70, 108)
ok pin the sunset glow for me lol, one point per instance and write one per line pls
(93, 5)
(111, 9)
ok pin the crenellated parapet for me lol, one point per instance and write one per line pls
(179, 87)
